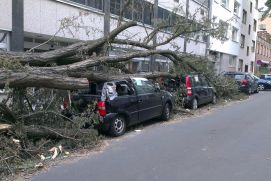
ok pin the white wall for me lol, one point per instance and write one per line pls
(249, 38)
(43, 17)
(226, 15)
(6, 15)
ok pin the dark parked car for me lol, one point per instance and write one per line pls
(264, 82)
(246, 82)
(123, 103)
(197, 90)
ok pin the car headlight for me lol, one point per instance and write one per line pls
(269, 82)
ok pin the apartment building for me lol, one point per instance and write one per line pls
(237, 51)
(263, 52)
(28, 23)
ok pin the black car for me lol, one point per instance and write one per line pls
(123, 103)
(246, 82)
(195, 89)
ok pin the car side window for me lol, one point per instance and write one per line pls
(123, 89)
(249, 78)
(196, 81)
(143, 86)
(204, 81)
(262, 77)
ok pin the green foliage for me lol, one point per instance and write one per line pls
(11, 65)
(40, 109)
(226, 88)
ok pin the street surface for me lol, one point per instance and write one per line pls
(233, 143)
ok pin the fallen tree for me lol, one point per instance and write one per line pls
(30, 117)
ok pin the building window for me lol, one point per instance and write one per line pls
(98, 4)
(250, 8)
(246, 68)
(240, 65)
(244, 17)
(163, 15)
(115, 7)
(247, 50)
(236, 8)
(148, 13)
(262, 26)
(138, 11)
(234, 34)
(225, 3)
(251, 66)
(255, 25)
(4, 43)
(242, 42)
(253, 46)
(202, 12)
(80, 1)
(232, 61)
(256, 4)
(224, 27)
(249, 29)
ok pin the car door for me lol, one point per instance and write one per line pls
(252, 82)
(206, 90)
(149, 100)
(197, 88)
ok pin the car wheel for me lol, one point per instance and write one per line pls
(118, 126)
(257, 90)
(166, 112)
(194, 104)
(249, 91)
(261, 87)
(214, 99)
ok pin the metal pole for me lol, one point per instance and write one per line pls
(154, 40)
(106, 4)
(17, 34)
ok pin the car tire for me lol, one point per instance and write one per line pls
(214, 99)
(249, 91)
(194, 104)
(166, 112)
(117, 126)
(261, 87)
(257, 90)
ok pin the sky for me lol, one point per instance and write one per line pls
(261, 3)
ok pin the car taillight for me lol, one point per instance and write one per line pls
(244, 82)
(101, 108)
(188, 86)
(66, 103)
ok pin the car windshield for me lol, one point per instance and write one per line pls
(255, 77)
(239, 76)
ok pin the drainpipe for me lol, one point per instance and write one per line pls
(208, 43)
(186, 16)
(106, 4)
(154, 40)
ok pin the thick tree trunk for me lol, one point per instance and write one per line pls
(38, 78)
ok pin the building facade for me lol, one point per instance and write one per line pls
(237, 51)
(263, 52)
(29, 23)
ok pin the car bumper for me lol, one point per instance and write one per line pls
(243, 89)
(187, 101)
(105, 122)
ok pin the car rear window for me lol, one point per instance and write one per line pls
(239, 77)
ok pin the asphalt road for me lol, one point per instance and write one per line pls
(231, 144)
